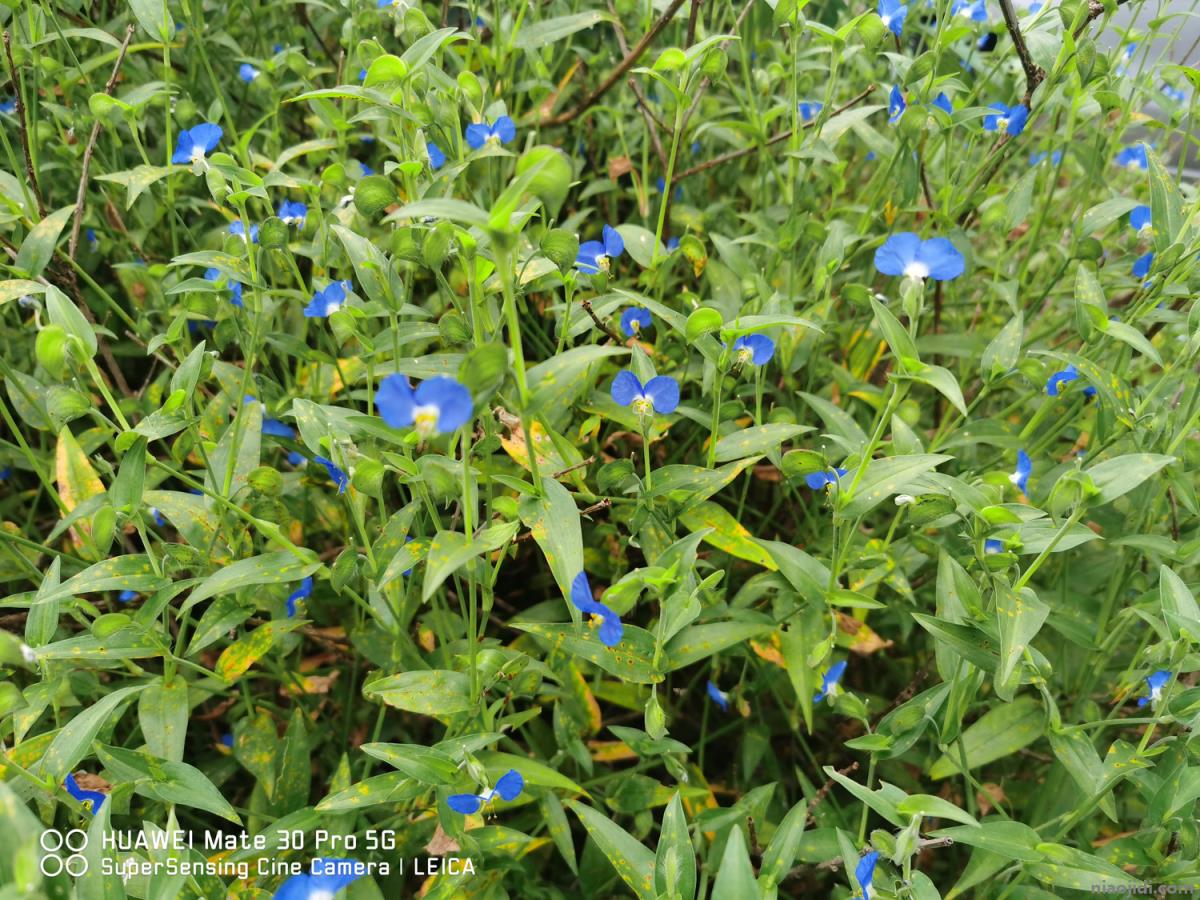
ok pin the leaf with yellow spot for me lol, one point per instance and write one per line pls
(631, 660)
(239, 656)
(727, 533)
(610, 751)
(77, 480)
(769, 650)
(633, 861)
(390, 787)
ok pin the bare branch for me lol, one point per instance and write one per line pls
(81, 194)
(1034, 74)
(621, 68)
(29, 171)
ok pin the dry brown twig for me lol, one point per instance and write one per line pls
(23, 126)
(81, 194)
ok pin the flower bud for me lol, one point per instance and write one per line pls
(437, 245)
(273, 234)
(50, 348)
(560, 247)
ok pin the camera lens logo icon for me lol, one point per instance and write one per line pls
(63, 852)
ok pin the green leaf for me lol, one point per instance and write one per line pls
(903, 347)
(19, 287)
(454, 210)
(1134, 338)
(934, 808)
(450, 550)
(552, 31)
(170, 782)
(780, 854)
(1012, 840)
(236, 659)
(735, 877)
(269, 568)
(136, 180)
(1166, 204)
(1001, 731)
(631, 660)
(154, 17)
(1104, 214)
(675, 859)
(1067, 867)
(553, 520)
(883, 478)
(756, 440)
(425, 764)
(65, 314)
(163, 712)
(1178, 605)
(535, 773)
(1019, 618)
(390, 788)
(1077, 755)
(837, 420)
(640, 244)
(74, 741)
(38, 247)
(438, 692)
(1116, 477)
(632, 860)
(883, 801)
(1002, 353)
(697, 642)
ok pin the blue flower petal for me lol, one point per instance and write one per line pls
(305, 590)
(467, 804)
(396, 401)
(942, 259)
(505, 129)
(614, 244)
(339, 477)
(611, 629)
(897, 253)
(276, 428)
(453, 401)
(510, 785)
(717, 696)
(437, 158)
(663, 393)
(1139, 217)
(760, 347)
(1055, 382)
(864, 872)
(94, 799)
(477, 134)
(581, 594)
(626, 388)
(634, 319)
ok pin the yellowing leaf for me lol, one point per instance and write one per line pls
(727, 533)
(77, 479)
(239, 656)
(861, 639)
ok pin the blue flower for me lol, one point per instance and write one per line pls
(340, 478)
(300, 593)
(227, 740)
(362, 74)
(718, 697)
(991, 545)
(976, 12)
(1020, 475)
(896, 104)
(1133, 157)
(438, 405)
(942, 102)
(328, 876)
(1055, 157)
(277, 47)
(1126, 57)
(754, 348)
(502, 131)
(247, 72)
(293, 212)
(6, 473)
(363, 169)
(1055, 382)
(127, 596)
(1139, 218)
(1008, 119)
(296, 458)
(818, 480)
(1141, 265)
(194, 143)
(327, 301)
(238, 228)
(893, 13)
(809, 109)
(157, 517)
(272, 427)
(986, 44)
(1155, 682)
(659, 395)
(437, 158)
(93, 241)
(829, 681)
(906, 254)
(508, 787)
(95, 799)
(8, 105)
(864, 873)
(672, 244)
(235, 287)
(596, 256)
(1174, 93)
(634, 319)
(608, 622)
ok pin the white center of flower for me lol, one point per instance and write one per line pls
(493, 138)
(320, 895)
(1001, 123)
(1132, 165)
(597, 620)
(1015, 478)
(425, 420)
(916, 269)
(887, 21)
(197, 154)
(333, 307)
(642, 405)
(28, 653)
(744, 356)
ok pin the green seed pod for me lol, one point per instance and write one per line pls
(561, 247)
(453, 329)
(416, 23)
(273, 234)
(1089, 248)
(265, 480)
(715, 62)
(104, 527)
(438, 244)
(798, 463)
(472, 90)
(374, 194)
(50, 348)
(871, 30)
(368, 476)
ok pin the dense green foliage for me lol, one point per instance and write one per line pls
(256, 585)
